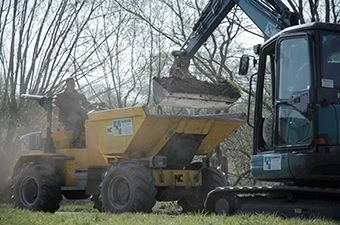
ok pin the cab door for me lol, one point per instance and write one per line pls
(293, 125)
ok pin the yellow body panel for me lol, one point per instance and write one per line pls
(102, 133)
(133, 133)
(218, 132)
(81, 160)
(62, 139)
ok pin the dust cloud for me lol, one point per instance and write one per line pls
(29, 120)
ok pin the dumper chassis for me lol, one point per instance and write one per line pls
(131, 160)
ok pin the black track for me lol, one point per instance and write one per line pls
(283, 200)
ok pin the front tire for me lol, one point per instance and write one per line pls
(127, 187)
(37, 187)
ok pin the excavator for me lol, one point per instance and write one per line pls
(296, 119)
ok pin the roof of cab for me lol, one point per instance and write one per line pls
(305, 27)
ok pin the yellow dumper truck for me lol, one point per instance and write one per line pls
(130, 160)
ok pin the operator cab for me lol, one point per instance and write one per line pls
(297, 108)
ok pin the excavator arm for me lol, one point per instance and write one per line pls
(184, 90)
(270, 16)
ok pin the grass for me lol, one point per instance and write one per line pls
(168, 213)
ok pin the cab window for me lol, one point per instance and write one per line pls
(294, 67)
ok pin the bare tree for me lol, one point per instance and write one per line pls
(316, 10)
(42, 37)
(129, 57)
(210, 62)
(41, 42)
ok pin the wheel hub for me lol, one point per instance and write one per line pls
(29, 191)
(119, 191)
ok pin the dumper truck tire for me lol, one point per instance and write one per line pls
(211, 178)
(128, 187)
(37, 187)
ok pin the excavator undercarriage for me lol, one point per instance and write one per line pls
(282, 200)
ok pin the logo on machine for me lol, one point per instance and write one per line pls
(120, 127)
(272, 162)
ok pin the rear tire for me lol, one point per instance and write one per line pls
(37, 187)
(211, 178)
(127, 187)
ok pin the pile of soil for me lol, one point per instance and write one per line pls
(195, 86)
(194, 93)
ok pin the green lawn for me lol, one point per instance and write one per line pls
(167, 214)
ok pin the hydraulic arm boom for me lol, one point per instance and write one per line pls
(181, 88)
(270, 16)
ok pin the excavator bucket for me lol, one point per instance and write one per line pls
(182, 89)
(193, 93)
